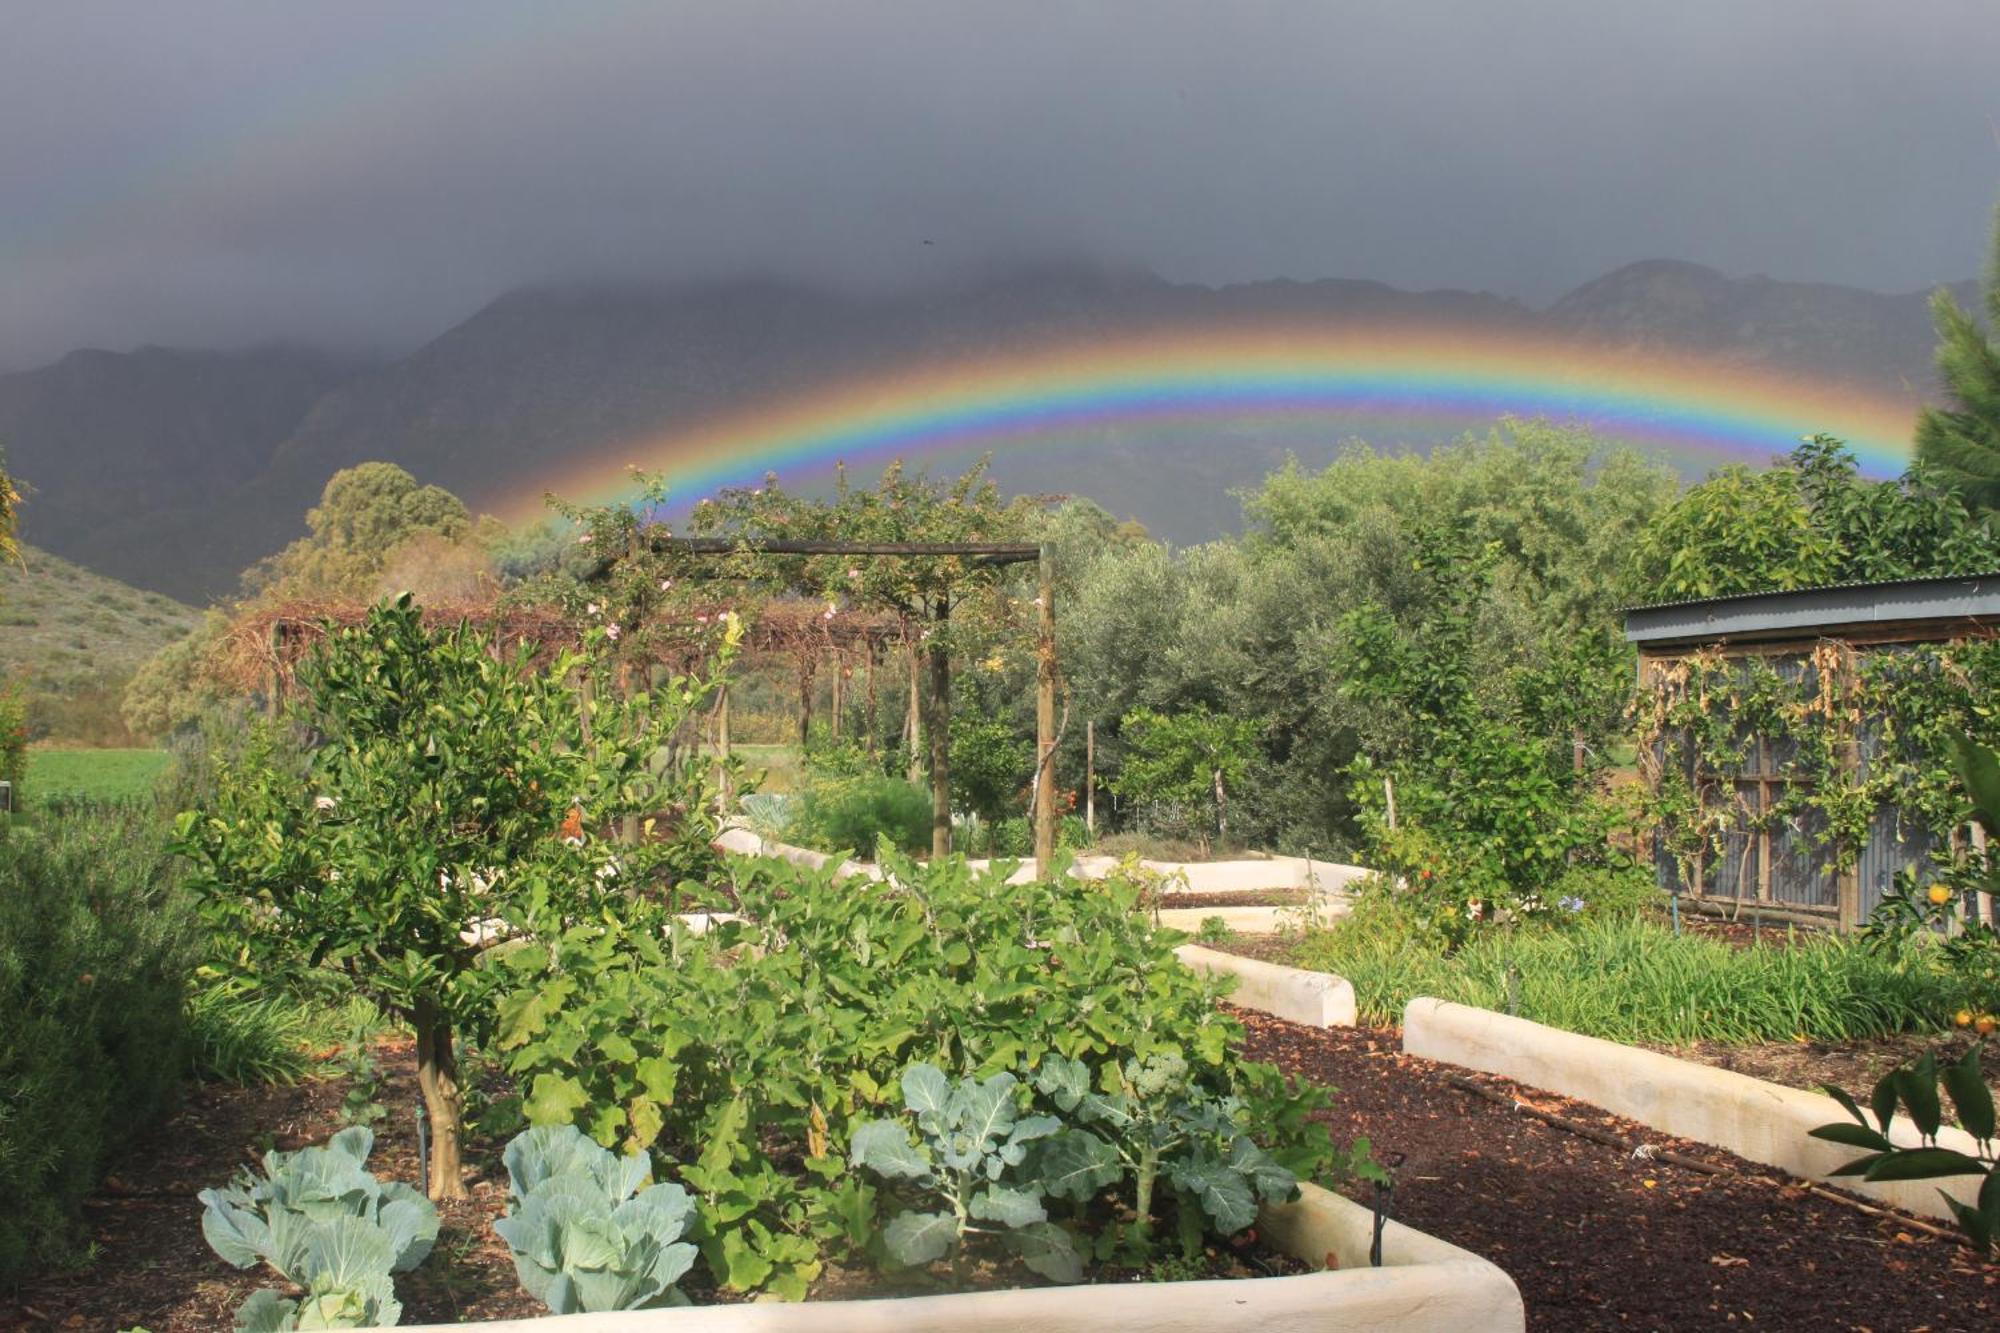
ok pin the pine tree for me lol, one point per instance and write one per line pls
(1962, 442)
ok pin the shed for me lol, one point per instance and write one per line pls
(1748, 835)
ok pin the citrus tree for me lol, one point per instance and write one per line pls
(457, 796)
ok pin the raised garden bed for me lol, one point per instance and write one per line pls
(1598, 1239)
(1764, 1122)
(1251, 897)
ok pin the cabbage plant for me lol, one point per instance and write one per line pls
(971, 1157)
(318, 1218)
(587, 1231)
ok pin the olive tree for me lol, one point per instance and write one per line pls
(455, 797)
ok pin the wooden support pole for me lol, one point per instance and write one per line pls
(913, 730)
(839, 692)
(940, 730)
(1090, 777)
(874, 701)
(1045, 716)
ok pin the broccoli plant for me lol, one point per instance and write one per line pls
(319, 1219)
(974, 1144)
(587, 1232)
(1152, 1122)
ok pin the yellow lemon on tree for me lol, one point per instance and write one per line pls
(1940, 895)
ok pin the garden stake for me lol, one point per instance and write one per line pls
(1513, 990)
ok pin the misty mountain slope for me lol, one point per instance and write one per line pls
(107, 439)
(211, 475)
(1865, 338)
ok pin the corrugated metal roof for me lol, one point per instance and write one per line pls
(1817, 587)
(1799, 612)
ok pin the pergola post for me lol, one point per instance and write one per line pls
(1045, 715)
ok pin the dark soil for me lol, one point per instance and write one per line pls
(1851, 1066)
(1270, 948)
(1595, 1238)
(153, 1269)
(1271, 898)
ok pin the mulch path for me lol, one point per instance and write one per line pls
(153, 1269)
(1596, 1239)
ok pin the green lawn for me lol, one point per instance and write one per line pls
(109, 774)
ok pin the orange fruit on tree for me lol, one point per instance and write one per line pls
(1963, 1018)
(1984, 1024)
(1940, 895)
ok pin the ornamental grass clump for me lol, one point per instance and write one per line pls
(1636, 980)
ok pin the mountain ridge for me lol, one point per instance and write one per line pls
(176, 468)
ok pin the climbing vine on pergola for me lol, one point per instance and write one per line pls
(915, 550)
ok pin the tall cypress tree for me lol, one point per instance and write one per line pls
(1962, 442)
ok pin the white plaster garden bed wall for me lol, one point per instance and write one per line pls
(1329, 882)
(1423, 1286)
(1763, 1122)
(1315, 999)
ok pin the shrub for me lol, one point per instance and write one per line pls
(854, 813)
(95, 941)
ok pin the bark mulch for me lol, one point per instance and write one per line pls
(152, 1268)
(1595, 1238)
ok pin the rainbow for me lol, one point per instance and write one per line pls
(1694, 411)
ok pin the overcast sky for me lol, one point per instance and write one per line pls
(368, 173)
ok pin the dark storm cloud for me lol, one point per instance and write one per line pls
(223, 173)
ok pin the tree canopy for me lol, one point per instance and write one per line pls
(366, 514)
(1809, 521)
(1961, 442)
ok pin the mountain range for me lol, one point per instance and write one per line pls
(173, 469)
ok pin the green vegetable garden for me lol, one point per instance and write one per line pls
(443, 876)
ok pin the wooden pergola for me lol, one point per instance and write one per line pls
(262, 650)
(981, 553)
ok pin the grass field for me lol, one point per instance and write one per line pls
(110, 774)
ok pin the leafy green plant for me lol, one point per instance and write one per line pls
(971, 1149)
(1190, 760)
(852, 814)
(1915, 1089)
(321, 1220)
(1147, 1120)
(1213, 930)
(459, 794)
(767, 1040)
(361, 1103)
(587, 1229)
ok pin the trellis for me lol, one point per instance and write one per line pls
(984, 553)
(261, 650)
